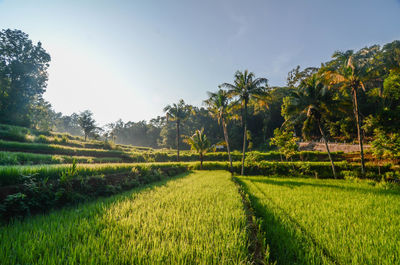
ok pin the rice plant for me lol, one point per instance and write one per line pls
(198, 219)
(311, 221)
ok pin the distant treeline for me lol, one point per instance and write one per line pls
(374, 72)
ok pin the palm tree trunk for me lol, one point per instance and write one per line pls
(201, 161)
(177, 140)
(327, 149)
(227, 144)
(359, 132)
(244, 136)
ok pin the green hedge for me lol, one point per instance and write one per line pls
(302, 169)
(251, 157)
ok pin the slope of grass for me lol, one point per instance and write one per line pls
(198, 219)
(21, 158)
(59, 150)
(309, 221)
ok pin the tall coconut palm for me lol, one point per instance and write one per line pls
(352, 73)
(199, 142)
(245, 87)
(217, 104)
(177, 112)
(311, 100)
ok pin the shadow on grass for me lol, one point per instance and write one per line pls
(289, 242)
(294, 184)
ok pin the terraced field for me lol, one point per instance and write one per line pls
(197, 219)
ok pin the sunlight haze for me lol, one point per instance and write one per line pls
(129, 59)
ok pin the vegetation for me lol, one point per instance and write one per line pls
(199, 142)
(327, 221)
(203, 217)
(23, 77)
(286, 142)
(310, 102)
(218, 105)
(197, 219)
(87, 123)
(42, 188)
(245, 88)
(59, 149)
(178, 113)
(19, 158)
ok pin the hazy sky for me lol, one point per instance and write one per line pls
(128, 59)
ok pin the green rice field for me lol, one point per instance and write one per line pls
(193, 219)
(311, 221)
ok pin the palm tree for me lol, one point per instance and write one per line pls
(352, 73)
(245, 87)
(199, 142)
(310, 100)
(177, 112)
(218, 106)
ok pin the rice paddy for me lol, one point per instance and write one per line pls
(311, 221)
(197, 219)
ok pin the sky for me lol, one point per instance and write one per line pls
(129, 59)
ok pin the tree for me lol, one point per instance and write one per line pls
(41, 115)
(245, 87)
(218, 106)
(23, 76)
(352, 73)
(87, 122)
(285, 141)
(177, 112)
(309, 103)
(199, 142)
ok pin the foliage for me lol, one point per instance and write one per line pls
(23, 76)
(178, 112)
(87, 123)
(245, 88)
(286, 142)
(199, 142)
(386, 145)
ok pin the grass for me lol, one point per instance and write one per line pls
(59, 149)
(12, 175)
(197, 219)
(22, 158)
(310, 221)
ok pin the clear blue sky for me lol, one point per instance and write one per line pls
(128, 59)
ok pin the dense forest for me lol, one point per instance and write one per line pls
(354, 96)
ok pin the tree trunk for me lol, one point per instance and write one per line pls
(227, 144)
(201, 161)
(327, 149)
(244, 135)
(177, 140)
(359, 132)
